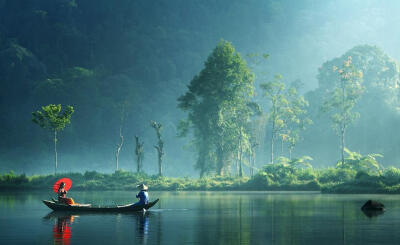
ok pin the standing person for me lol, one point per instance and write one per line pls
(62, 195)
(142, 195)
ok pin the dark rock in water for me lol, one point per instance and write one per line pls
(372, 205)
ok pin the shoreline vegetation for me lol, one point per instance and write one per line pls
(273, 177)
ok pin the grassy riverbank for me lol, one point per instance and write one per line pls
(272, 177)
(123, 180)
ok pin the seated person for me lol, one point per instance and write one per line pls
(62, 198)
(142, 195)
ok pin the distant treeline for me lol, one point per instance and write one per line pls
(358, 175)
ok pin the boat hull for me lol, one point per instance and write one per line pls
(87, 208)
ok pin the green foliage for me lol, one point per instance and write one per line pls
(392, 176)
(51, 117)
(91, 175)
(295, 116)
(287, 113)
(358, 162)
(10, 179)
(285, 174)
(336, 175)
(345, 93)
(287, 171)
(219, 108)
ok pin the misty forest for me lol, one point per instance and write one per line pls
(201, 95)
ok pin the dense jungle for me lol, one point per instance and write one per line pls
(246, 95)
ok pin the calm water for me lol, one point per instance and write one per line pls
(203, 218)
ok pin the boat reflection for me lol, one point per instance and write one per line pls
(62, 227)
(62, 231)
(142, 227)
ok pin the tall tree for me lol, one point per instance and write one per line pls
(139, 154)
(380, 99)
(296, 118)
(51, 118)
(274, 91)
(217, 102)
(160, 144)
(342, 98)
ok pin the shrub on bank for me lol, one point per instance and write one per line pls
(273, 177)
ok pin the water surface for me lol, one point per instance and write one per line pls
(202, 218)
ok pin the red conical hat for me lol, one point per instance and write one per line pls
(67, 182)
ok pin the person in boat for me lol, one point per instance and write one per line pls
(142, 195)
(62, 195)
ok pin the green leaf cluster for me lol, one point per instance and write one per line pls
(51, 117)
(356, 161)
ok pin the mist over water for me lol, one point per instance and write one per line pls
(149, 52)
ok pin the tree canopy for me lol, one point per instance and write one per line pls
(218, 102)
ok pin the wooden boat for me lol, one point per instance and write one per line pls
(89, 208)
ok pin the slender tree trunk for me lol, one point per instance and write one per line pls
(137, 164)
(343, 126)
(240, 166)
(240, 155)
(119, 146)
(343, 131)
(272, 149)
(272, 141)
(202, 172)
(220, 161)
(160, 164)
(158, 127)
(139, 154)
(253, 163)
(160, 154)
(237, 164)
(201, 160)
(253, 157)
(55, 152)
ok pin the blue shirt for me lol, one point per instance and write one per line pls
(143, 197)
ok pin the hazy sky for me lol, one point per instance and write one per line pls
(321, 30)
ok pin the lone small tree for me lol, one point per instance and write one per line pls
(51, 117)
(139, 154)
(344, 96)
(160, 145)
